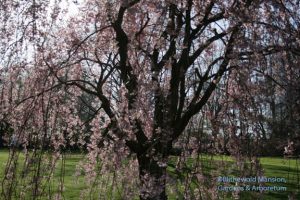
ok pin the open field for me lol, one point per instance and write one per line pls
(287, 169)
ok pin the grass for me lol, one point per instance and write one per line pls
(71, 189)
(211, 166)
(281, 168)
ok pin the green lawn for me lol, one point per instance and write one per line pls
(288, 169)
(212, 167)
(72, 185)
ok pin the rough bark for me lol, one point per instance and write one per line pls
(152, 176)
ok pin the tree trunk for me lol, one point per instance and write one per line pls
(152, 174)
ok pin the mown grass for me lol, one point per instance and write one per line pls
(212, 167)
(289, 169)
(71, 188)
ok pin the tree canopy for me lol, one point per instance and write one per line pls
(129, 78)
